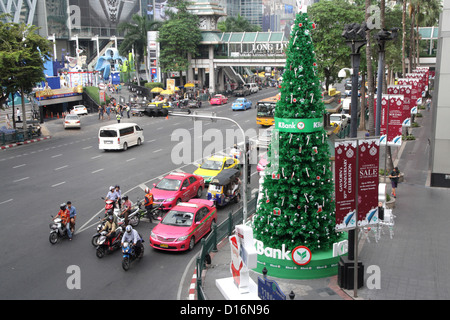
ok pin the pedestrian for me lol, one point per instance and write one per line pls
(394, 176)
(128, 111)
(118, 117)
(108, 111)
(428, 104)
(380, 211)
(18, 115)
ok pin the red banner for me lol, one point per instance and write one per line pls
(346, 171)
(345, 184)
(405, 91)
(391, 127)
(368, 166)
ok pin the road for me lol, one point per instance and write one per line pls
(38, 177)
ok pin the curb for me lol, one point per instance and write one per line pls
(24, 142)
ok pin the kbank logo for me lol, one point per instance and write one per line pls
(301, 255)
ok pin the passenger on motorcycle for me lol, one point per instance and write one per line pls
(119, 195)
(65, 218)
(148, 203)
(112, 195)
(126, 209)
(73, 215)
(110, 227)
(132, 236)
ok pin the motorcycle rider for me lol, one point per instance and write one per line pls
(132, 236)
(148, 203)
(126, 209)
(64, 214)
(112, 195)
(73, 215)
(110, 227)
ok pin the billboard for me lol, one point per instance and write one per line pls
(102, 13)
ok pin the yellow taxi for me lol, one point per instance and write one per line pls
(215, 164)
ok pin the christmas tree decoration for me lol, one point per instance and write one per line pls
(298, 176)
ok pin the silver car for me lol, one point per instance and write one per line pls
(72, 121)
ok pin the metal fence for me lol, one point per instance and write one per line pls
(10, 136)
(218, 233)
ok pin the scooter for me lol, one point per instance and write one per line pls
(155, 213)
(58, 231)
(129, 254)
(106, 245)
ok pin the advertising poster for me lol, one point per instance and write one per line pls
(368, 165)
(104, 13)
(391, 126)
(345, 184)
(356, 158)
(405, 91)
(415, 94)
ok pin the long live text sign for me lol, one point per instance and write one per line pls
(299, 125)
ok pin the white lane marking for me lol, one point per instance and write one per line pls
(57, 155)
(20, 165)
(157, 150)
(97, 170)
(85, 148)
(96, 157)
(6, 201)
(21, 179)
(61, 167)
(58, 184)
(130, 159)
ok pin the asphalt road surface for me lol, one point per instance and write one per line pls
(37, 177)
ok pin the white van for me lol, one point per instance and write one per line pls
(120, 136)
(253, 87)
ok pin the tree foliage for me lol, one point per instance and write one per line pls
(237, 24)
(179, 37)
(23, 53)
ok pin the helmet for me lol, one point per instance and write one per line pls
(62, 206)
(147, 190)
(111, 188)
(110, 218)
(110, 212)
(125, 198)
(128, 228)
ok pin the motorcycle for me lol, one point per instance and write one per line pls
(155, 213)
(133, 219)
(58, 231)
(129, 254)
(106, 245)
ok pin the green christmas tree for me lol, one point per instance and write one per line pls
(297, 206)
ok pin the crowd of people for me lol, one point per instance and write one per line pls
(113, 108)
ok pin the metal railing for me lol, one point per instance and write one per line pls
(218, 233)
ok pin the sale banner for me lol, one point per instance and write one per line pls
(368, 166)
(391, 119)
(345, 184)
(405, 91)
(415, 94)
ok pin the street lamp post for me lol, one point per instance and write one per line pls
(382, 36)
(355, 35)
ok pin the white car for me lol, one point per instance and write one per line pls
(72, 121)
(79, 110)
(339, 119)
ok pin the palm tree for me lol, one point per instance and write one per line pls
(136, 39)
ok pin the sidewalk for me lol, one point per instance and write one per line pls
(413, 265)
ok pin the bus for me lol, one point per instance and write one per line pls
(265, 110)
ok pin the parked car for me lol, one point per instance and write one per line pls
(242, 91)
(79, 110)
(184, 225)
(177, 187)
(263, 139)
(215, 164)
(339, 119)
(241, 104)
(72, 121)
(218, 99)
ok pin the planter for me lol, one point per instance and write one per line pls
(391, 203)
